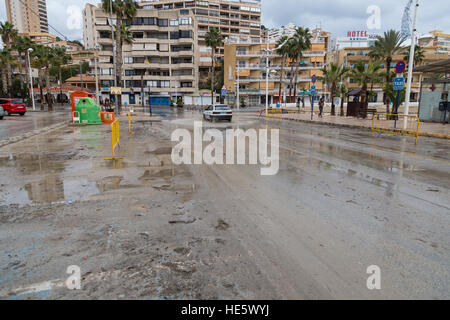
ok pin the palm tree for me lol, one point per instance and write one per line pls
(59, 59)
(6, 60)
(127, 35)
(43, 57)
(332, 76)
(302, 40)
(8, 33)
(213, 40)
(21, 45)
(419, 55)
(123, 9)
(384, 49)
(364, 75)
(342, 92)
(283, 51)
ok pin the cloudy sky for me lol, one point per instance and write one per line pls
(336, 16)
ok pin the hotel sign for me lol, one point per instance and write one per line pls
(357, 34)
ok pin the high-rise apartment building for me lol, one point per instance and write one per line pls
(162, 57)
(276, 34)
(246, 59)
(28, 16)
(233, 18)
(170, 35)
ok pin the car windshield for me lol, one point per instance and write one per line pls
(222, 108)
(17, 101)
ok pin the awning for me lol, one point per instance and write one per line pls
(355, 92)
(442, 66)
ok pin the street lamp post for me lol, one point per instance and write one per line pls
(410, 67)
(267, 53)
(31, 77)
(97, 92)
(116, 111)
(238, 102)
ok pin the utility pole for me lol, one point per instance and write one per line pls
(97, 92)
(142, 93)
(116, 110)
(410, 67)
(81, 77)
(237, 90)
(31, 77)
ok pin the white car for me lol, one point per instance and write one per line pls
(2, 113)
(219, 112)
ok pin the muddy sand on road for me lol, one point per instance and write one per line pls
(147, 229)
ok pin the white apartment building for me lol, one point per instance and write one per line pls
(162, 57)
(276, 34)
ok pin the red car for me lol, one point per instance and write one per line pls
(11, 106)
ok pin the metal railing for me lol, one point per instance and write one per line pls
(115, 139)
(394, 123)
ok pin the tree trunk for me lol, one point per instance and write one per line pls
(297, 67)
(388, 80)
(60, 85)
(41, 89)
(283, 61)
(119, 56)
(333, 95)
(342, 105)
(49, 94)
(292, 80)
(212, 75)
(4, 81)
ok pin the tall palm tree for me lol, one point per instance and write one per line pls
(122, 9)
(283, 51)
(21, 45)
(419, 55)
(302, 39)
(127, 35)
(6, 59)
(8, 33)
(43, 57)
(333, 76)
(384, 48)
(292, 54)
(213, 40)
(59, 59)
(364, 75)
(342, 92)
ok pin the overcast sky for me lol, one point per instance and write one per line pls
(335, 16)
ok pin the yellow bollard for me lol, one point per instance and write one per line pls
(129, 123)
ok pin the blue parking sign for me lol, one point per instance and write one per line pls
(399, 83)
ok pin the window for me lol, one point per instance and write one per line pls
(163, 22)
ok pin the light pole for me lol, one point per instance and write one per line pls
(267, 52)
(410, 67)
(31, 77)
(238, 102)
(116, 110)
(97, 92)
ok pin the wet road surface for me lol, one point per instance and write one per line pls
(16, 125)
(145, 228)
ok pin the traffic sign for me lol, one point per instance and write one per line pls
(314, 79)
(400, 67)
(399, 83)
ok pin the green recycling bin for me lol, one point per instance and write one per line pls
(88, 111)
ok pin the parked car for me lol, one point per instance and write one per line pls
(2, 113)
(13, 106)
(219, 112)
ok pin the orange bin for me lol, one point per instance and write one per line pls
(107, 117)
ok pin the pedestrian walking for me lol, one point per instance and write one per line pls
(321, 105)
